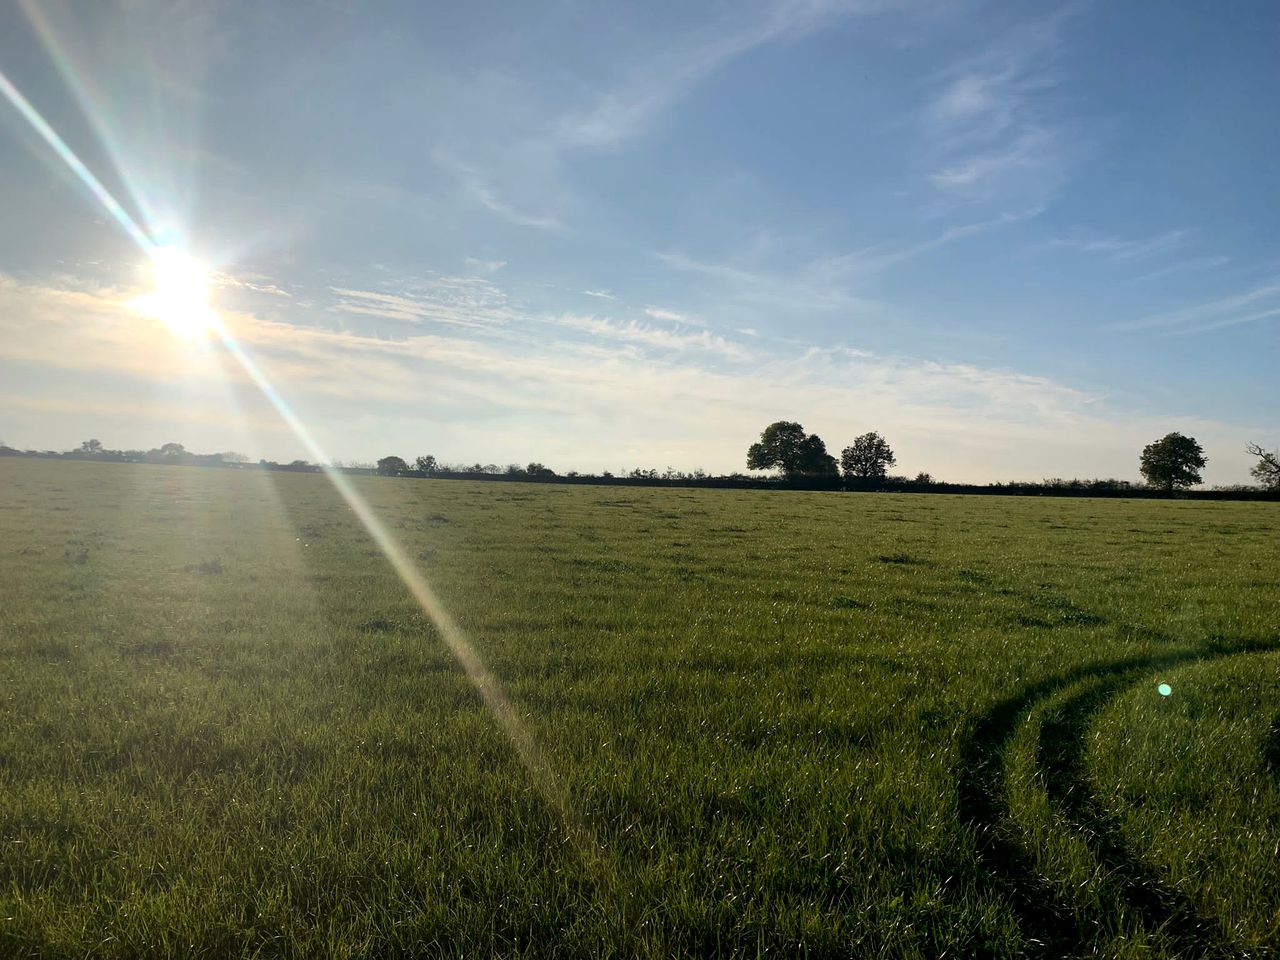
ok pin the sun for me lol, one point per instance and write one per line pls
(180, 298)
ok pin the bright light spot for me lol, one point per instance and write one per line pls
(181, 296)
(1164, 689)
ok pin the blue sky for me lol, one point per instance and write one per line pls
(1019, 240)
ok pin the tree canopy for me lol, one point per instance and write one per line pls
(1173, 461)
(786, 446)
(392, 466)
(868, 457)
(1267, 470)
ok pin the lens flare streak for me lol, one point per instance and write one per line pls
(68, 156)
(484, 681)
(477, 672)
(64, 60)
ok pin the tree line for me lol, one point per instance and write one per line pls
(166, 453)
(1172, 462)
(800, 459)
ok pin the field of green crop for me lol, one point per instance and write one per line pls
(769, 723)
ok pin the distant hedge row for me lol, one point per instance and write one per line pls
(652, 478)
(1047, 488)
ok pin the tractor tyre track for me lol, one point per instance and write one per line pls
(1054, 928)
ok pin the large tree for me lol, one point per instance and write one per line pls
(786, 446)
(1267, 470)
(1173, 461)
(869, 457)
(392, 466)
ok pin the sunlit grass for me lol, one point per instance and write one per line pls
(226, 728)
(1194, 782)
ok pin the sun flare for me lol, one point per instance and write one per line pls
(180, 298)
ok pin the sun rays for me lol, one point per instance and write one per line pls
(180, 299)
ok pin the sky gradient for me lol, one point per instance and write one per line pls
(1020, 242)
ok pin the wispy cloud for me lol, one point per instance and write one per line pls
(522, 174)
(1031, 150)
(874, 259)
(486, 266)
(489, 198)
(1257, 316)
(1190, 265)
(255, 283)
(479, 188)
(822, 284)
(1234, 310)
(810, 287)
(459, 301)
(670, 316)
(658, 337)
(602, 294)
(662, 78)
(989, 126)
(1143, 254)
(1127, 249)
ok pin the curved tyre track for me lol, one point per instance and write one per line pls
(1054, 928)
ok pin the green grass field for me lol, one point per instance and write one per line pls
(779, 724)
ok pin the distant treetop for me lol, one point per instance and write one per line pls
(784, 445)
(1267, 470)
(1173, 461)
(869, 457)
(392, 466)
